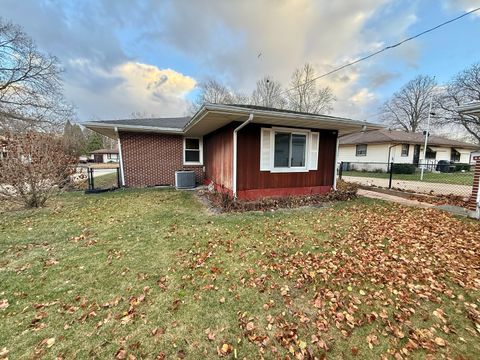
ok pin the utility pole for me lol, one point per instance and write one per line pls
(427, 133)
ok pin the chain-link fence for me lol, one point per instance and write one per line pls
(433, 178)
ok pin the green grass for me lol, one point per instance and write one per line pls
(457, 178)
(200, 271)
(106, 181)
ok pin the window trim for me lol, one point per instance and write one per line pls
(200, 150)
(291, 131)
(408, 150)
(356, 150)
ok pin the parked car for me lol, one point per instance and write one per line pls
(445, 166)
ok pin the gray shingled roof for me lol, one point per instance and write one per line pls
(397, 136)
(170, 122)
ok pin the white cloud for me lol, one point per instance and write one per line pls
(134, 87)
(465, 5)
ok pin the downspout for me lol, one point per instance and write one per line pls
(122, 176)
(335, 166)
(234, 170)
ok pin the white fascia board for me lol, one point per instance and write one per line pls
(469, 108)
(229, 110)
(139, 128)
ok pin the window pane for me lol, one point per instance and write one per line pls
(192, 144)
(282, 149)
(192, 156)
(361, 150)
(299, 142)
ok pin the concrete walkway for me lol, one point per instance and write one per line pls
(421, 187)
(455, 210)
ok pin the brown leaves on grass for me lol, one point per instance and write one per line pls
(4, 304)
(406, 256)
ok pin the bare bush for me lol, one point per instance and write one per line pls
(35, 167)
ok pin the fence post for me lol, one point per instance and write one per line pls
(340, 171)
(391, 173)
(91, 179)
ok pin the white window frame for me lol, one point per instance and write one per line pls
(356, 150)
(408, 150)
(291, 131)
(200, 145)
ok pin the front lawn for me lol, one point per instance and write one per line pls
(456, 178)
(150, 274)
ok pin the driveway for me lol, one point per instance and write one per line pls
(415, 186)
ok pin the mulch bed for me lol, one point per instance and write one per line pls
(221, 202)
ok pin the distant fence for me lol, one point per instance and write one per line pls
(440, 178)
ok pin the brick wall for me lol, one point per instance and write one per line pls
(476, 180)
(152, 159)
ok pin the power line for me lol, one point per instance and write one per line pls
(382, 50)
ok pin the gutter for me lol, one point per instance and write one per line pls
(120, 157)
(234, 170)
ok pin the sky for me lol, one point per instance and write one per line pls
(148, 57)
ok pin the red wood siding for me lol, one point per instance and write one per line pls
(218, 156)
(249, 174)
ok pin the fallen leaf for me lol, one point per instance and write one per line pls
(440, 342)
(121, 354)
(4, 304)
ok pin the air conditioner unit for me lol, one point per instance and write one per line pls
(184, 179)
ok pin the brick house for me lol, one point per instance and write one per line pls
(247, 151)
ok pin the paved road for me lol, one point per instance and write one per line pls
(416, 186)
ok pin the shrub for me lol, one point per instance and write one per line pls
(36, 166)
(403, 168)
(462, 167)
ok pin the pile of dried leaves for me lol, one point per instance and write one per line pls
(223, 202)
(441, 200)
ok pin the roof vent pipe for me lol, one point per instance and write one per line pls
(234, 170)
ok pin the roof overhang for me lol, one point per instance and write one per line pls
(111, 129)
(470, 109)
(213, 116)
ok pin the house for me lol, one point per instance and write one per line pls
(248, 152)
(104, 156)
(385, 145)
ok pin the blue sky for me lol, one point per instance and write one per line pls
(123, 57)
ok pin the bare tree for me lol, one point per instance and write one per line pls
(462, 89)
(34, 168)
(305, 95)
(30, 87)
(269, 93)
(408, 108)
(212, 91)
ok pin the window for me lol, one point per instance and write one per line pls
(454, 155)
(288, 150)
(192, 151)
(405, 148)
(430, 154)
(361, 150)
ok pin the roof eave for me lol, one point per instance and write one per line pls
(134, 128)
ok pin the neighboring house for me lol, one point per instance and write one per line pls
(104, 156)
(247, 151)
(385, 145)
